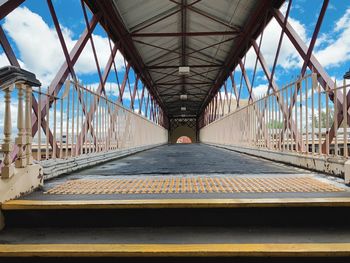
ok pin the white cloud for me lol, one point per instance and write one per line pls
(332, 49)
(338, 50)
(288, 57)
(343, 21)
(5, 62)
(260, 90)
(40, 49)
(112, 89)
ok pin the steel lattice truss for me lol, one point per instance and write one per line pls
(183, 33)
(214, 107)
(153, 110)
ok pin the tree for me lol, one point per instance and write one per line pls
(275, 125)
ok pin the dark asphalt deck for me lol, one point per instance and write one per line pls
(187, 159)
(184, 161)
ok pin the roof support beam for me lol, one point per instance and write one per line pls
(250, 31)
(191, 66)
(186, 34)
(187, 83)
(115, 27)
(206, 15)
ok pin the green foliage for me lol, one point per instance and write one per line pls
(275, 125)
(324, 119)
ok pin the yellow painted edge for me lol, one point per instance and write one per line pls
(174, 203)
(177, 250)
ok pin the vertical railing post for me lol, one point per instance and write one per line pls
(8, 169)
(11, 77)
(21, 137)
(28, 124)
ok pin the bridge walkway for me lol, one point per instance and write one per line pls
(192, 171)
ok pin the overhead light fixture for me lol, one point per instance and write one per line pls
(183, 108)
(183, 97)
(184, 70)
(347, 75)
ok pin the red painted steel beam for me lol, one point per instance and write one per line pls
(206, 15)
(14, 62)
(134, 92)
(251, 95)
(115, 27)
(159, 57)
(151, 110)
(264, 66)
(67, 58)
(225, 89)
(114, 66)
(63, 72)
(302, 49)
(283, 107)
(164, 77)
(147, 105)
(221, 104)
(186, 34)
(308, 55)
(314, 36)
(87, 122)
(122, 88)
(90, 30)
(187, 83)
(234, 87)
(259, 48)
(153, 22)
(142, 98)
(8, 6)
(169, 51)
(212, 45)
(191, 66)
(247, 81)
(7, 49)
(250, 31)
(323, 78)
(61, 38)
(279, 45)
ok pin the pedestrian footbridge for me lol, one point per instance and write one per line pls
(173, 156)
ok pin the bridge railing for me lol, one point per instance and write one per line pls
(76, 123)
(300, 118)
(16, 125)
(80, 121)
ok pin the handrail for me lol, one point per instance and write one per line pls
(313, 123)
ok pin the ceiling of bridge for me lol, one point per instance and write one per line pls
(201, 34)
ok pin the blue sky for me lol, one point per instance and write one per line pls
(31, 33)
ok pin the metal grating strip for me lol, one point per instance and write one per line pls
(194, 185)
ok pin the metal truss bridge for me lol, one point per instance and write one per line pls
(172, 156)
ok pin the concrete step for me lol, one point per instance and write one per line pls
(178, 212)
(181, 243)
(177, 230)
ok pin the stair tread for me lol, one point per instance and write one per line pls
(177, 250)
(175, 203)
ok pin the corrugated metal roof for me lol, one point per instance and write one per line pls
(196, 33)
